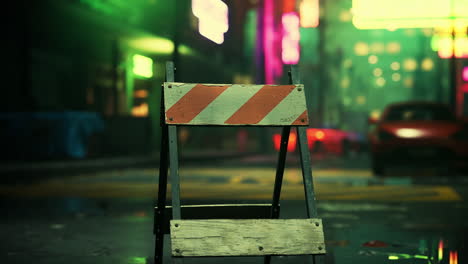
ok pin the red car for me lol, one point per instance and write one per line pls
(324, 140)
(418, 132)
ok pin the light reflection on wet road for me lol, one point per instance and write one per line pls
(238, 183)
(107, 217)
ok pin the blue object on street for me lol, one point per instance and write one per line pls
(32, 135)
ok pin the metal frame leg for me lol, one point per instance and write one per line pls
(308, 182)
(307, 173)
(174, 168)
(275, 205)
(162, 194)
(175, 181)
(174, 159)
(294, 78)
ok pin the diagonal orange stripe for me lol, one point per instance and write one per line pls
(257, 107)
(192, 103)
(303, 119)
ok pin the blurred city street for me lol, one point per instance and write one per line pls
(100, 96)
(105, 216)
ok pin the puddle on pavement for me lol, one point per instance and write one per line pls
(346, 207)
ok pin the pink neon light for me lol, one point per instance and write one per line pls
(273, 65)
(465, 74)
(291, 36)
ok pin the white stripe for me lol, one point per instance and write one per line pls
(226, 104)
(288, 110)
(178, 90)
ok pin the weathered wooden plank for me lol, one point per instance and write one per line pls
(252, 237)
(235, 104)
(218, 211)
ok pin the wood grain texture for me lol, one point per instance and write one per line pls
(235, 104)
(218, 211)
(252, 237)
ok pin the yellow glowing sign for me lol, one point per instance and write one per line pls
(444, 45)
(142, 66)
(384, 14)
(309, 13)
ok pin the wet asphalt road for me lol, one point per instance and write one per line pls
(106, 217)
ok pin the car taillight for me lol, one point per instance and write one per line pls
(291, 142)
(384, 135)
(319, 135)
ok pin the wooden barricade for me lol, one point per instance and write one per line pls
(242, 229)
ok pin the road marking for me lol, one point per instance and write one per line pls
(232, 183)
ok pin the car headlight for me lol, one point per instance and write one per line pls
(384, 135)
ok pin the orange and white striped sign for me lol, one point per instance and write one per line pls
(235, 104)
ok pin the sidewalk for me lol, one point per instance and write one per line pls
(34, 169)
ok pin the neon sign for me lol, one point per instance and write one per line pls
(291, 36)
(142, 66)
(212, 17)
(445, 44)
(446, 47)
(465, 74)
(271, 43)
(384, 14)
(309, 11)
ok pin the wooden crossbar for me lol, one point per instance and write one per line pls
(218, 211)
(251, 237)
(235, 104)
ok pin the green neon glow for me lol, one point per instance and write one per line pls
(142, 66)
(137, 260)
(185, 50)
(420, 257)
(152, 45)
(435, 43)
(383, 14)
(406, 256)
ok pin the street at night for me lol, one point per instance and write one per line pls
(234, 131)
(106, 216)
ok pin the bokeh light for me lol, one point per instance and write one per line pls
(373, 59)
(410, 64)
(377, 72)
(395, 66)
